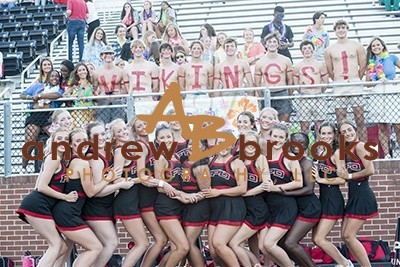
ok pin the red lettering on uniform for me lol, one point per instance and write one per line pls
(272, 78)
(138, 74)
(306, 75)
(103, 82)
(345, 64)
(165, 79)
(196, 84)
(230, 76)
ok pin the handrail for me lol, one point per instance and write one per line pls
(4, 91)
(52, 46)
(27, 70)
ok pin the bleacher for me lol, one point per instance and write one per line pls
(230, 17)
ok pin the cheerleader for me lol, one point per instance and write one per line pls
(196, 215)
(126, 203)
(67, 214)
(228, 209)
(257, 210)
(245, 122)
(308, 204)
(285, 175)
(267, 117)
(181, 148)
(147, 193)
(332, 202)
(361, 204)
(36, 208)
(167, 209)
(98, 209)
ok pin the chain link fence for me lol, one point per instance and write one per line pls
(376, 114)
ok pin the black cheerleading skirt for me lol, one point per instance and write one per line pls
(167, 208)
(37, 205)
(332, 202)
(126, 204)
(283, 210)
(99, 208)
(67, 215)
(257, 212)
(362, 202)
(309, 208)
(227, 210)
(196, 214)
(147, 198)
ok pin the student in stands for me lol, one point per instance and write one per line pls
(308, 205)
(361, 204)
(148, 39)
(207, 30)
(168, 69)
(147, 17)
(167, 16)
(257, 210)
(228, 209)
(98, 41)
(180, 56)
(77, 12)
(92, 19)
(276, 26)
(251, 51)
(274, 69)
(36, 208)
(130, 18)
(45, 66)
(98, 210)
(120, 31)
(141, 76)
(318, 35)
(66, 67)
(219, 55)
(346, 62)
(126, 203)
(109, 80)
(286, 175)
(233, 72)
(173, 36)
(197, 74)
(309, 71)
(38, 121)
(382, 67)
(332, 202)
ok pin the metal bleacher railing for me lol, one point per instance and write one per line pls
(373, 103)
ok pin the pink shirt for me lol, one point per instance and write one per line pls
(254, 50)
(78, 9)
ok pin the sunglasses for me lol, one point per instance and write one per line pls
(180, 56)
(281, 16)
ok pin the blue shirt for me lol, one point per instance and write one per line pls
(36, 89)
(389, 66)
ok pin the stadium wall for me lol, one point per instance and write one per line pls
(16, 236)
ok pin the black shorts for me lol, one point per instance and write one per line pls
(147, 198)
(67, 215)
(257, 212)
(332, 202)
(362, 202)
(36, 205)
(167, 208)
(99, 208)
(40, 119)
(126, 204)
(227, 210)
(283, 210)
(309, 208)
(283, 106)
(196, 214)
